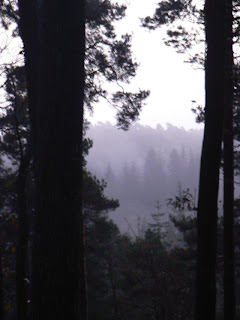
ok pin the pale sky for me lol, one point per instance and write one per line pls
(173, 83)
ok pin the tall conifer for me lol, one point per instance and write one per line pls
(55, 64)
(210, 162)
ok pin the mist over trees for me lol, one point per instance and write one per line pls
(145, 166)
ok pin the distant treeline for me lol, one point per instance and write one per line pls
(144, 165)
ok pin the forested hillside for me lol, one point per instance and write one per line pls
(144, 165)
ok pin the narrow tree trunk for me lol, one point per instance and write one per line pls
(29, 33)
(59, 290)
(116, 313)
(205, 308)
(1, 286)
(22, 286)
(23, 230)
(229, 288)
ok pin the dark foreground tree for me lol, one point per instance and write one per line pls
(210, 162)
(54, 52)
(106, 57)
(218, 64)
(229, 274)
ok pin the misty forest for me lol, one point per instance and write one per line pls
(125, 221)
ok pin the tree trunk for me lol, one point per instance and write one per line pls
(229, 288)
(205, 308)
(56, 52)
(2, 316)
(29, 33)
(116, 311)
(22, 286)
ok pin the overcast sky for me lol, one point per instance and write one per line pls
(173, 83)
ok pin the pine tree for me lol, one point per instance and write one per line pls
(228, 154)
(58, 284)
(100, 35)
(210, 163)
(221, 37)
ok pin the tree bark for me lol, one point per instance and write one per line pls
(205, 308)
(229, 287)
(55, 51)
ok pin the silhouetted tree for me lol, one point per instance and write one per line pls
(100, 35)
(210, 162)
(175, 168)
(154, 177)
(229, 273)
(15, 147)
(58, 282)
(167, 13)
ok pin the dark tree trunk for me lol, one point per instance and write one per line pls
(28, 31)
(1, 287)
(22, 272)
(58, 272)
(55, 52)
(116, 313)
(229, 288)
(205, 308)
(23, 231)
